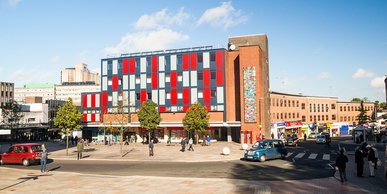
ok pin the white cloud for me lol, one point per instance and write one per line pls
(377, 82)
(83, 56)
(285, 82)
(324, 75)
(361, 73)
(161, 19)
(146, 41)
(55, 59)
(223, 16)
(26, 76)
(13, 3)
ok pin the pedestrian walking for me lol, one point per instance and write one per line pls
(151, 145)
(341, 161)
(76, 139)
(190, 142)
(43, 159)
(304, 136)
(169, 141)
(359, 161)
(72, 140)
(182, 144)
(272, 135)
(208, 139)
(80, 149)
(371, 160)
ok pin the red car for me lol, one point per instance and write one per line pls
(26, 154)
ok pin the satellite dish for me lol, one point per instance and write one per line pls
(232, 47)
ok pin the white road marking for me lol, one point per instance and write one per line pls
(289, 154)
(326, 157)
(299, 155)
(312, 156)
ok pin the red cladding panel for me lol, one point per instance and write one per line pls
(125, 66)
(154, 64)
(173, 96)
(206, 77)
(142, 96)
(154, 80)
(92, 100)
(219, 77)
(161, 108)
(185, 108)
(194, 59)
(84, 104)
(104, 99)
(185, 61)
(186, 95)
(219, 58)
(115, 82)
(208, 108)
(92, 117)
(207, 95)
(173, 79)
(84, 118)
(132, 69)
(104, 111)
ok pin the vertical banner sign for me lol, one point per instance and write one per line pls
(250, 94)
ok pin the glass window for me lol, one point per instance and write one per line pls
(213, 93)
(212, 56)
(200, 57)
(213, 74)
(200, 75)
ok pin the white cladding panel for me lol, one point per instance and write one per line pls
(132, 82)
(143, 65)
(97, 100)
(161, 63)
(104, 83)
(185, 78)
(161, 80)
(115, 67)
(162, 97)
(219, 94)
(97, 117)
(104, 67)
(143, 81)
(194, 95)
(173, 62)
(126, 82)
(132, 98)
(115, 98)
(206, 60)
(88, 100)
(194, 78)
(155, 96)
(88, 117)
(125, 98)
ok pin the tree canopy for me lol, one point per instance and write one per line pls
(148, 116)
(362, 118)
(196, 118)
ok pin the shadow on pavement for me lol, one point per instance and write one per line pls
(25, 179)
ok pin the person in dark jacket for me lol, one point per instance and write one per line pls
(359, 161)
(183, 144)
(151, 148)
(341, 162)
(371, 160)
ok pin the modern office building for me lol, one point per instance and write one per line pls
(46, 91)
(385, 83)
(79, 74)
(7, 92)
(231, 83)
(64, 92)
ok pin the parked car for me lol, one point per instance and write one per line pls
(25, 154)
(266, 149)
(292, 140)
(327, 136)
(313, 135)
(321, 139)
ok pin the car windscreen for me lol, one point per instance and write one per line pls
(258, 145)
(36, 148)
(321, 136)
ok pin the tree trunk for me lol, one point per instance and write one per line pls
(67, 142)
(121, 141)
(149, 136)
(104, 136)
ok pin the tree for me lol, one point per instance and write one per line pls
(362, 118)
(149, 117)
(196, 119)
(383, 105)
(12, 116)
(68, 119)
(356, 100)
(122, 119)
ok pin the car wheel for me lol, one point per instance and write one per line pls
(26, 162)
(262, 158)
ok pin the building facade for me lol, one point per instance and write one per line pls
(46, 91)
(79, 74)
(231, 83)
(299, 114)
(7, 92)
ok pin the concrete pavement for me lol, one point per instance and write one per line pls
(32, 181)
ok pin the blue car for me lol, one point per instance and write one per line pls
(266, 149)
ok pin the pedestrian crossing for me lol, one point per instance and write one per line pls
(309, 156)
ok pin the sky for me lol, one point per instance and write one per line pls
(335, 48)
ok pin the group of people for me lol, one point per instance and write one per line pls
(364, 151)
(184, 142)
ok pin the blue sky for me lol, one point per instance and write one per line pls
(319, 47)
